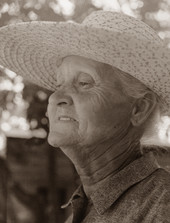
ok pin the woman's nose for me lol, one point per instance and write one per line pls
(65, 100)
(60, 99)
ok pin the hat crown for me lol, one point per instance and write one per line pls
(122, 23)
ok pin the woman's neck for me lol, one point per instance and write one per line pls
(94, 164)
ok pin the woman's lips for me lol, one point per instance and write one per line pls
(66, 118)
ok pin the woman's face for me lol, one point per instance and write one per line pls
(87, 106)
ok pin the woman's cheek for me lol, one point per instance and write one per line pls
(51, 112)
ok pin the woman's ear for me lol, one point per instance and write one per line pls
(142, 108)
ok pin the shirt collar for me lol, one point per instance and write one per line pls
(79, 192)
(113, 187)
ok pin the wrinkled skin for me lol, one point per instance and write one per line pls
(93, 122)
(91, 96)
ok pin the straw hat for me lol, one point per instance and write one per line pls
(34, 49)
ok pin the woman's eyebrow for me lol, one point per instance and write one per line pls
(93, 71)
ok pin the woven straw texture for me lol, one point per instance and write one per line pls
(34, 49)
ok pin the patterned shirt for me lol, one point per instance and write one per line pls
(139, 193)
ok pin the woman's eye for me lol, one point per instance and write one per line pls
(85, 85)
(58, 87)
(85, 81)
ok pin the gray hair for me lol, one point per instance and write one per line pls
(135, 89)
(132, 87)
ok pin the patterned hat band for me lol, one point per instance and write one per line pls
(33, 49)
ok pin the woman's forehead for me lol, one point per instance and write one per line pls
(82, 64)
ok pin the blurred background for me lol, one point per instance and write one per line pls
(36, 179)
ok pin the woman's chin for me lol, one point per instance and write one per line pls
(56, 139)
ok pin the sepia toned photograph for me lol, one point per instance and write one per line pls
(84, 111)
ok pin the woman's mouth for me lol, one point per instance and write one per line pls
(66, 118)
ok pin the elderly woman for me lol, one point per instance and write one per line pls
(111, 80)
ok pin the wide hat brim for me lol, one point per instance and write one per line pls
(34, 50)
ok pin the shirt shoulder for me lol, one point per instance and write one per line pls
(160, 202)
(154, 189)
(161, 180)
(149, 200)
